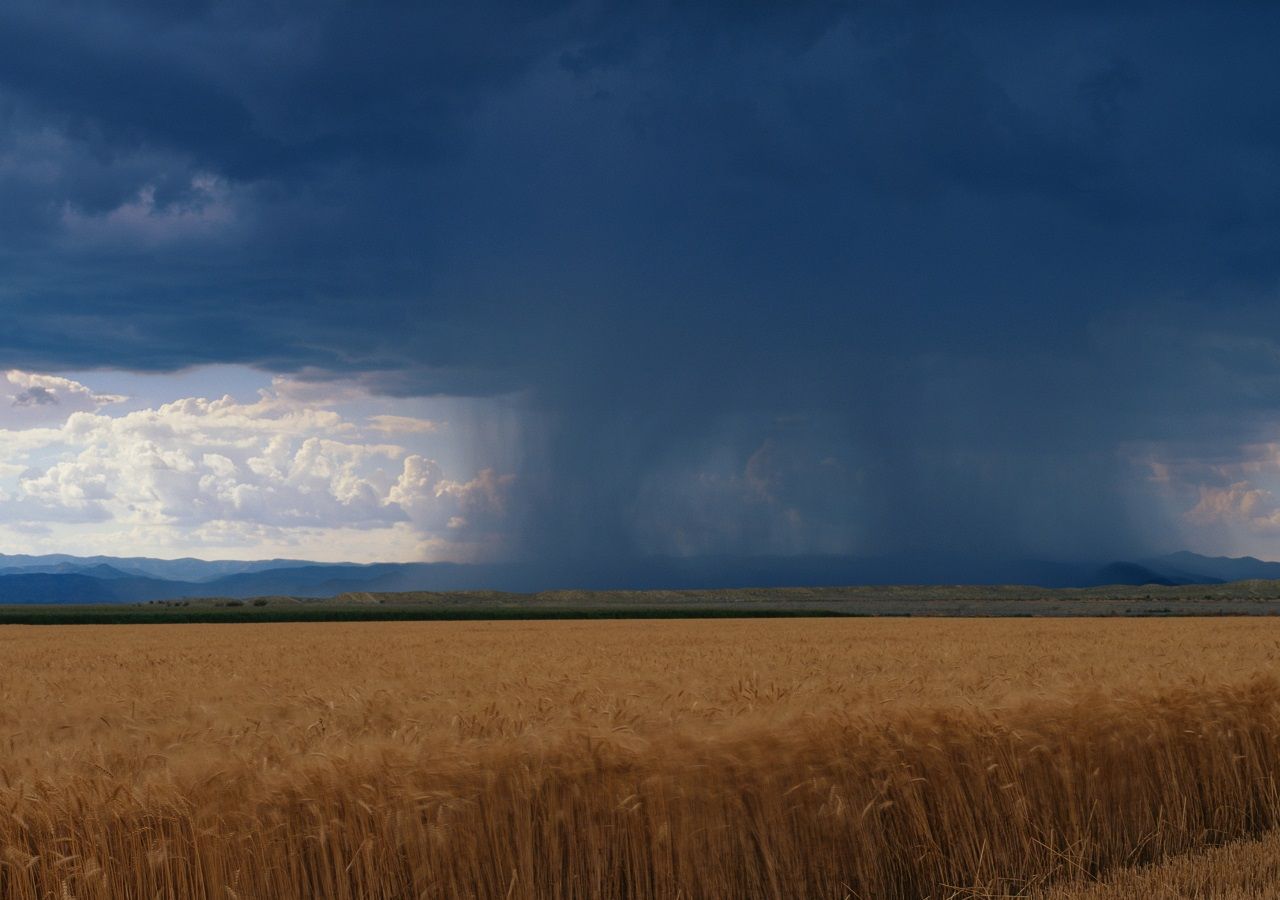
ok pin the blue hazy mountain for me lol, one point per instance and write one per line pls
(95, 570)
(188, 569)
(77, 588)
(60, 578)
(1200, 569)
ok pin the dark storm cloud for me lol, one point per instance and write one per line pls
(770, 277)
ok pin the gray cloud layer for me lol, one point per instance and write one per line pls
(771, 277)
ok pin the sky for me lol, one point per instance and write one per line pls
(577, 280)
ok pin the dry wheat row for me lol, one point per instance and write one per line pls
(654, 759)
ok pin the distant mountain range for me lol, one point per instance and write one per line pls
(100, 579)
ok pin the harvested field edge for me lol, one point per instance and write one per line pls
(922, 804)
(1240, 870)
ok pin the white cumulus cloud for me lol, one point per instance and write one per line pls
(28, 399)
(274, 469)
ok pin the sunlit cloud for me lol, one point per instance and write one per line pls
(402, 425)
(29, 398)
(196, 473)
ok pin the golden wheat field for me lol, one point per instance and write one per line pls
(868, 758)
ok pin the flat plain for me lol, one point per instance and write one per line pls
(1239, 598)
(735, 758)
